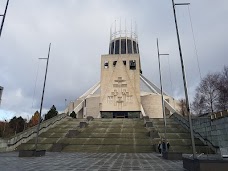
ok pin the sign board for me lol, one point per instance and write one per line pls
(224, 152)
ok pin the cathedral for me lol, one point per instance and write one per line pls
(123, 92)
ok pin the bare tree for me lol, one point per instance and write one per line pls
(198, 106)
(212, 93)
(223, 90)
(207, 93)
(183, 109)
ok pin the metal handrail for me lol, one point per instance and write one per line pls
(52, 121)
(204, 140)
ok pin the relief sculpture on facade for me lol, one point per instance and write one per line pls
(119, 96)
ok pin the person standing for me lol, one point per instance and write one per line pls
(168, 145)
(159, 147)
(163, 146)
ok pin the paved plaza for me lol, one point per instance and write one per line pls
(88, 161)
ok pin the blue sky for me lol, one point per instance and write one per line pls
(79, 33)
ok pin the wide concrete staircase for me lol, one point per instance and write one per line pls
(101, 135)
(114, 135)
(178, 137)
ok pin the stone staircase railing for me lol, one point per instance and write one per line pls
(142, 111)
(12, 143)
(169, 107)
(184, 122)
(79, 107)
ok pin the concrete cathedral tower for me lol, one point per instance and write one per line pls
(123, 92)
(120, 77)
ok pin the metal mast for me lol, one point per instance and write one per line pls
(162, 97)
(184, 79)
(4, 16)
(41, 105)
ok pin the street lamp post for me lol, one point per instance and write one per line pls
(162, 97)
(41, 105)
(184, 79)
(4, 128)
(66, 108)
(3, 17)
(1, 91)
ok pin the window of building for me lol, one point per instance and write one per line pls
(123, 46)
(117, 46)
(106, 64)
(114, 63)
(112, 47)
(129, 46)
(134, 47)
(132, 64)
(124, 62)
(138, 47)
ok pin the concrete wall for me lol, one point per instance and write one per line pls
(216, 131)
(174, 103)
(80, 114)
(152, 105)
(92, 106)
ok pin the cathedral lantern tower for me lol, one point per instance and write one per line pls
(120, 77)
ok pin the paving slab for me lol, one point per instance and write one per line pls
(60, 161)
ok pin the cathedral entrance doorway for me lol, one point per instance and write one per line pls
(120, 114)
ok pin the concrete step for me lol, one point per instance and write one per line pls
(178, 137)
(26, 146)
(108, 149)
(184, 142)
(188, 149)
(115, 135)
(172, 130)
(102, 135)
